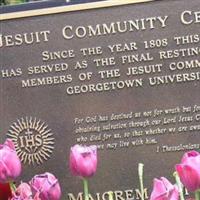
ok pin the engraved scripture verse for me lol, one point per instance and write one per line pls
(129, 130)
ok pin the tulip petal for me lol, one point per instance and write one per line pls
(174, 194)
(167, 184)
(189, 177)
(194, 162)
(37, 196)
(10, 164)
(74, 160)
(4, 171)
(189, 155)
(83, 160)
(24, 191)
(158, 190)
(45, 186)
(164, 190)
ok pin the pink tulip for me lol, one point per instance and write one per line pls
(45, 187)
(83, 160)
(36, 197)
(23, 192)
(164, 190)
(10, 165)
(189, 170)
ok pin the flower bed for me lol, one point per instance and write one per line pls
(83, 163)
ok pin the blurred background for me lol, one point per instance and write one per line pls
(8, 6)
(14, 2)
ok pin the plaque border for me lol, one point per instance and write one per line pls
(69, 8)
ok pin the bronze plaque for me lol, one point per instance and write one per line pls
(124, 77)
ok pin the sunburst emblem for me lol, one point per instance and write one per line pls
(33, 140)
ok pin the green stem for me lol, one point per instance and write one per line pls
(197, 195)
(12, 186)
(85, 187)
(140, 173)
(180, 185)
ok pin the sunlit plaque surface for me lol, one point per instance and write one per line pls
(123, 77)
